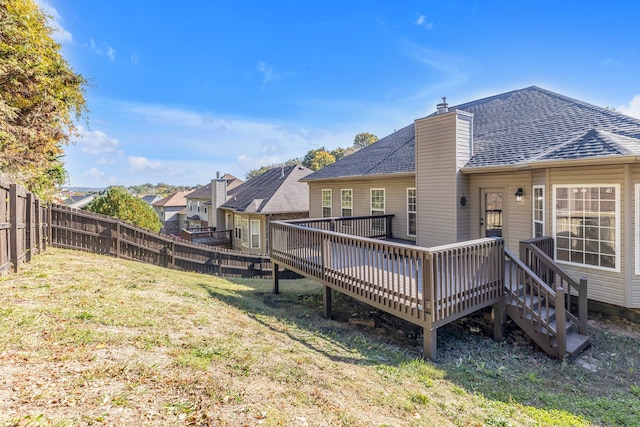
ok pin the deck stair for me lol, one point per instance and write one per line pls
(543, 300)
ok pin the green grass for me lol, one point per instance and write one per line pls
(90, 340)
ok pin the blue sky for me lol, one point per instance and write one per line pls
(180, 90)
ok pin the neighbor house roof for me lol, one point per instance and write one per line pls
(204, 192)
(173, 200)
(515, 128)
(276, 191)
(149, 199)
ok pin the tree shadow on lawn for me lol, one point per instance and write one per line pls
(601, 385)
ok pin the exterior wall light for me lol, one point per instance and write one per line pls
(519, 194)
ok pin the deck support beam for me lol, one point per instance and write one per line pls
(430, 338)
(326, 301)
(276, 279)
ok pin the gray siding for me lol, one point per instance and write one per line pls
(395, 198)
(435, 180)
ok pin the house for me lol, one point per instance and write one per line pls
(168, 210)
(79, 201)
(199, 202)
(250, 207)
(151, 198)
(518, 165)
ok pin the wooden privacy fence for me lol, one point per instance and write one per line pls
(23, 225)
(101, 234)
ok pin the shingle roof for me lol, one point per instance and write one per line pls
(203, 192)
(523, 126)
(173, 200)
(394, 153)
(275, 191)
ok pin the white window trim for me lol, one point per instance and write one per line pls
(414, 212)
(252, 234)
(342, 207)
(533, 211)
(330, 202)
(384, 201)
(617, 226)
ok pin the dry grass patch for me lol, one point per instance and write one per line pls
(90, 340)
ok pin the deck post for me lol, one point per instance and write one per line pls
(499, 314)
(276, 279)
(582, 306)
(430, 338)
(326, 301)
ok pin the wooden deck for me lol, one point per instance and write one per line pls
(429, 287)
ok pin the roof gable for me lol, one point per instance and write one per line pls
(275, 191)
(173, 200)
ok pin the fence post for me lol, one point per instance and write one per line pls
(28, 224)
(117, 239)
(38, 225)
(13, 230)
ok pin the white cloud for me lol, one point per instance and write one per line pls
(267, 72)
(134, 58)
(96, 142)
(632, 108)
(60, 35)
(102, 49)
(94, 173)
(142, 165)
(422, 22)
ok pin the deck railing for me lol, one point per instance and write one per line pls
(537, 255)
(536, 301)
(373, 227)
(430, 286)
(207, 236)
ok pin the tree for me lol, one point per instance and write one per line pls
(41, 97)
(317, 159)
(118, 203)
(363, 139)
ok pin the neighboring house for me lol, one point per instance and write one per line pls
(199, 202)
(197, 210)
(277, 194)
(167, 210)
(522, 164)
(79, 201)
(150, 199)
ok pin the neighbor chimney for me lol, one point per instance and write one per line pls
(443, 107)
(217, 174)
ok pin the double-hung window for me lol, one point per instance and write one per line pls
(245, 233)
(538, 210)
(411, 211)
(255, 233)
(587, 225)
(237, 226)
(346, 197)
(326, 203)
(377, 208)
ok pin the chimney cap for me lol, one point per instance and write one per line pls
(442, 107)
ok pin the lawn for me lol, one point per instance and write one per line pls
(91, 340)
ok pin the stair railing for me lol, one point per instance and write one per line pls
(541, 263)
(535, 301)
